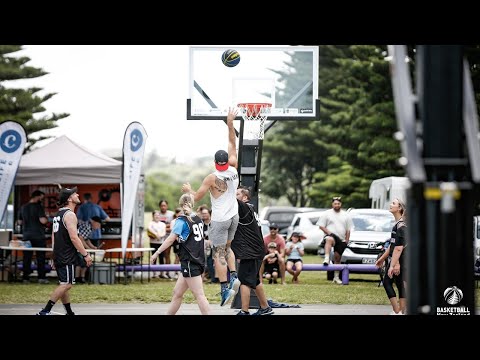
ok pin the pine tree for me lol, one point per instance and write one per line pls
(22, 104)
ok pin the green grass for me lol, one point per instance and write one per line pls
(313, 289)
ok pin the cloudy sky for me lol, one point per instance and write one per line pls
(105, 88)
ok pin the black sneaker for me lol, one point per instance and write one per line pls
(241, 312)
(266, 311)
(43, 312)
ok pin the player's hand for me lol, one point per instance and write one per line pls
(232, 113)
(186, 188)
(153, 258)
(379, 263)
(89, 260)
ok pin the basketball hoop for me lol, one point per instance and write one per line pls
(254, 115)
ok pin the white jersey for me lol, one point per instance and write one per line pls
(225, 207)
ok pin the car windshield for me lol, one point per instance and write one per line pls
(372, 222)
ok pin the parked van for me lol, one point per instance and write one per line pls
(384, 190)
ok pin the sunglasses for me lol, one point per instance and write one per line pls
(337, 198)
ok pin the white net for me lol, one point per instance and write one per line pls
(254, 116)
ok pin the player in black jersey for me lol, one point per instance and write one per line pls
(395, 260)
(65, 243)
(248, 246)
(188, 231)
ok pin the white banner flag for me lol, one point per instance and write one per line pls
(133, 149)
(12, 143)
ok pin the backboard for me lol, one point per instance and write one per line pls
(285, 76)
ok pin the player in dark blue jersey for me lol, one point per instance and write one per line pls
(188, 231)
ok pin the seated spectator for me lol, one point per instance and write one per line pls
(270, 264)
(294, 250)
(278, 239)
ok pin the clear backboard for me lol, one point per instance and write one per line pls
(285, 76)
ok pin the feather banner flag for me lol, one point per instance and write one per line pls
(12, 144)
(133, 150)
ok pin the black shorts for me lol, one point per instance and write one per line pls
(66, 274)
(248, 272)
(191, 269)
(270, 268)
(294, 261)
(339, 246)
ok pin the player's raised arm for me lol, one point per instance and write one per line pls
(232, 138)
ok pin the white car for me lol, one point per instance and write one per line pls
(306, 223)
(371, 228)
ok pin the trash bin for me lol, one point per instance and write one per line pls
(103, 273)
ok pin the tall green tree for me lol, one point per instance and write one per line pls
(22, 105)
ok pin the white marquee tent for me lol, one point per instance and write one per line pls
(65, 162)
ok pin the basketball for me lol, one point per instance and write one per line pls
(230, 58)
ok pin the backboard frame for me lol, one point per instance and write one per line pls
(219, 112)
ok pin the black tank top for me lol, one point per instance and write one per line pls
(192, 249)
(64, 251)
(398, 239)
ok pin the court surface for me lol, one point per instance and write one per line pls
(192, 309)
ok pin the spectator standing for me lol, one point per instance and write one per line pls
(166, 216)
(33, 219)
(336, 225)
(88, 210)
(278, 239)
(66, 244)
(84, 232)
(156, 231)
(206, 215)
(295, 250)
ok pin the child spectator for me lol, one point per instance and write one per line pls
(294, 250)
(270, 263)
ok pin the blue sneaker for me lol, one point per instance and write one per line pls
(241, 312)
(227, 296)
(234, 284)
(43, 312)
(266, 311)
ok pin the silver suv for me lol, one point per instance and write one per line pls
(371, 227)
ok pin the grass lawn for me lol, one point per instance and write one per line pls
(313, 289)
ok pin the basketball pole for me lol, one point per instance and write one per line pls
(445, 177)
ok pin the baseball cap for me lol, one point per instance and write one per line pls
(273, 226)
(221, 160)
(272, 245)
(65, 194)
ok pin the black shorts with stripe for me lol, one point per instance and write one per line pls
(191, 269)
(66, 274)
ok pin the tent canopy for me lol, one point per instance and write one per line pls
(66, 162)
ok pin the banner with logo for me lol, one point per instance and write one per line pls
(12, 143)
(133, 150)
